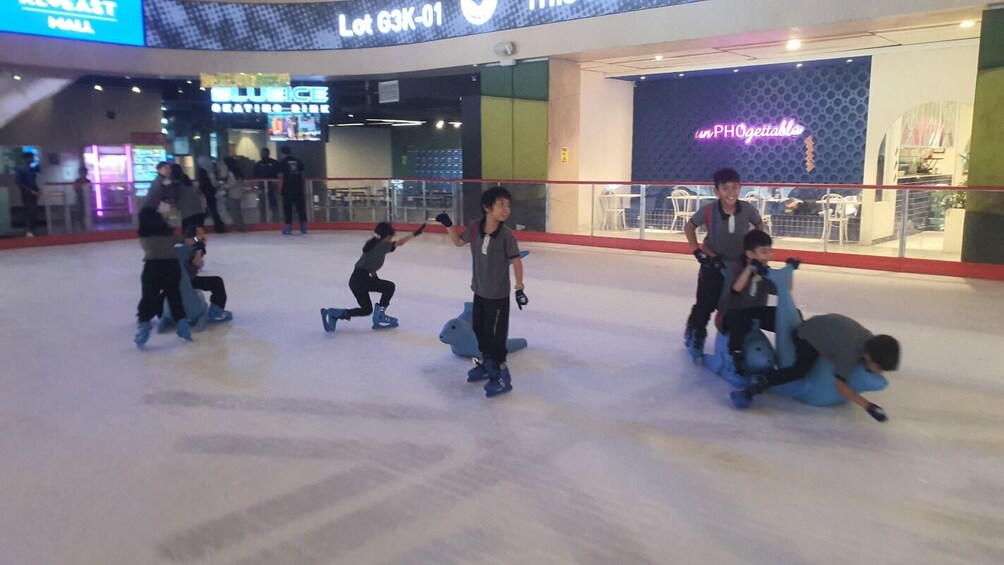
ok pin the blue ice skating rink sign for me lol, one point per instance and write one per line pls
(181, 24)
(106, 21)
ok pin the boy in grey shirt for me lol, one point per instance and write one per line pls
(493, 247)
(727, 220)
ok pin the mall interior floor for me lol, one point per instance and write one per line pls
(269, 441)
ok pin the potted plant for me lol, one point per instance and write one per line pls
(955, 218)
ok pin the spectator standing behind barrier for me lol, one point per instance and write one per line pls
(81, 186)
(291, 181)
(188, 199)
(27, 180)
(208, 184)
(232, 181)
(268, 168)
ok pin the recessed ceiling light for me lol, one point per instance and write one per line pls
(352, 115)
(680, 75)
(642, 77)
(793, 44)
(658, 57)
(850, 60)
(180, 91)
(798, 66)
(456, 125)
(136, 89)
(17, 77)
(735, 70)
(967, 24)
(440, 124)
(188, 82)
(202, 88)
(98, 87)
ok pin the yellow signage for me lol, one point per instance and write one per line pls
(564, 155)
(244, 80)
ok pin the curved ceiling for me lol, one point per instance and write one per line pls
(708, 29)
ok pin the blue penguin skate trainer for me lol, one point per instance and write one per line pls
(381, 320)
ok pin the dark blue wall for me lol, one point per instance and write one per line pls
(829, 98)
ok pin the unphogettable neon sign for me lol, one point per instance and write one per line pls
(787, 128)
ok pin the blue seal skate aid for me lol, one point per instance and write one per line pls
(458, 333)
(819, 386)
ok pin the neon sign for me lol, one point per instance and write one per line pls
(787, 128)
(108, 21)
(270, 100)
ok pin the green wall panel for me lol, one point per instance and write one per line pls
(992, 40)
(497, 81)
(496, 137)
(530, 80)
(529, 139)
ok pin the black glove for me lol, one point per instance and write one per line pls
(521, 299)
(758, 268)
(876, 411)
(702, 257)
(199, 245)
(444, 219)
(419, 231)
(793, 261)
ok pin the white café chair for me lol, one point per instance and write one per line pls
(611, 206)
(684, 207)
(834, 213)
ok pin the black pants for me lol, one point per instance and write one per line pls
(805, 357)
(292, 197)
(161, 279)
(709, 293)
(362, 283)
(737, 323)
(218, 225)
(217, 290)
(30, 210)
(197, 220)
(491, 326)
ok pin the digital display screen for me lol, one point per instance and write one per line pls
(105, 21)
(294, 127)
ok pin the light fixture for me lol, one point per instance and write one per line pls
(798, 66)
(849, 61)
(352, 115)
(658, 57)
(163, 108)
(351, 124)
(202, 88)
(163, 131)
(98, 87)
(17, 77)
(967, 24)
(188, 82)
(197, 137)
(163, 121)
(793, 44)
(456, 125)
(643, 77)
(440, 124)
(680, 75)
(735, 70)
(136, 89)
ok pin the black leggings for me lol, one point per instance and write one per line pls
(805, 357)
(362, 283)
(216, 288)
(161, 279)
(737, 323)
(491, 326)
(709, 293)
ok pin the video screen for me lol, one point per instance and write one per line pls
(294, 127)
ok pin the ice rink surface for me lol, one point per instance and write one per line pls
(268, 441)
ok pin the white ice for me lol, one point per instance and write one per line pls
(268, 441)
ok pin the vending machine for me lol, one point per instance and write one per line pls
(111, 177)
(144, 166)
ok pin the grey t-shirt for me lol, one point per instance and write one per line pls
(838, 338)
(158, 191)
(754, 295)
(372, 260)
(158, 247)
(725, 233)
(491, 254)
(189, 201)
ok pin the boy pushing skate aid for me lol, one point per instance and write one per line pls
(493, 247)
(727, 221)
